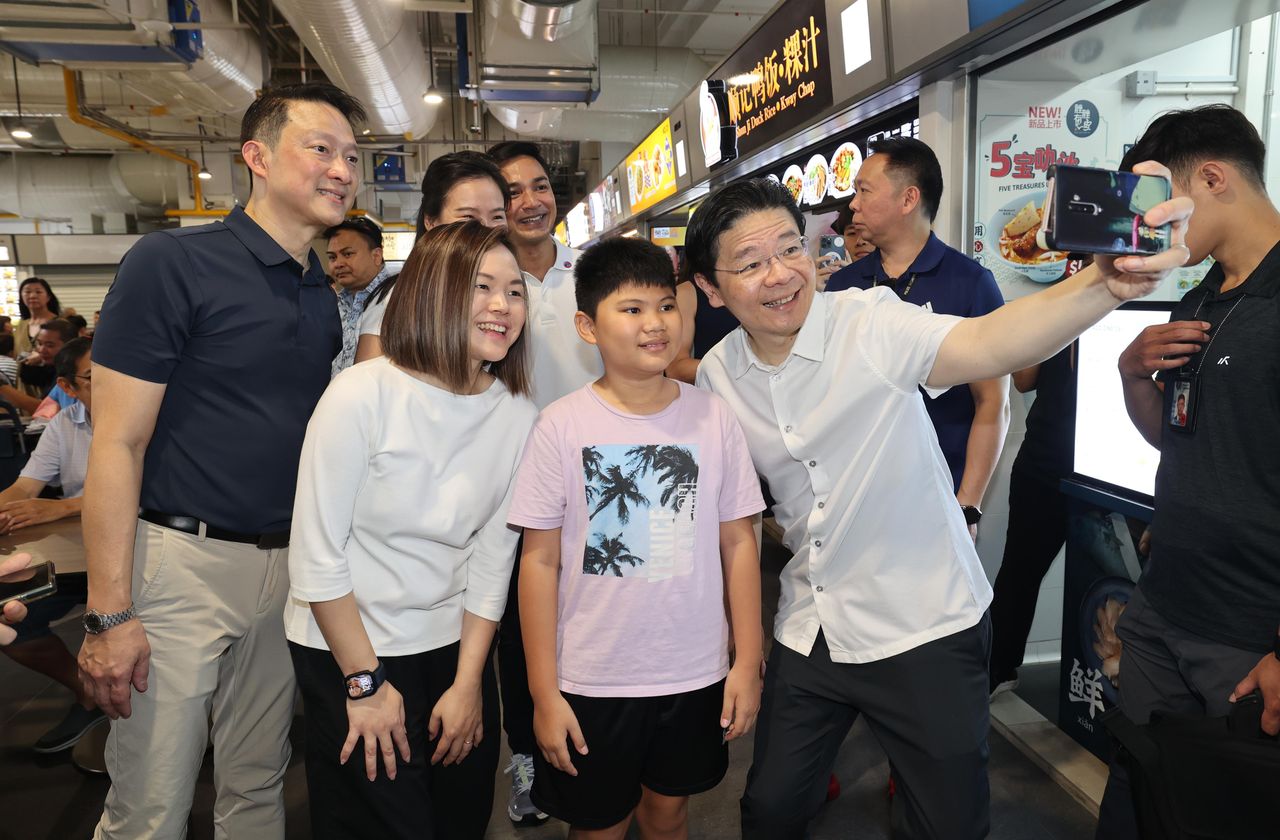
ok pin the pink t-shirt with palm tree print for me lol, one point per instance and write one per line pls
(639, 499)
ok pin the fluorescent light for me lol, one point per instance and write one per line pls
(21, 133)
(856, 23)
(744, 79)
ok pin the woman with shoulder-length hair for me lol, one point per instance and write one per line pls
(457, 187)
(401, 558)
(37, 305)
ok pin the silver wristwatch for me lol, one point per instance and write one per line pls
(96, 622)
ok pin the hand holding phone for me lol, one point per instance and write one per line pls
(1098, 211)
(28, 584)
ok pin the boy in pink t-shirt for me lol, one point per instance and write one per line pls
(636, 494)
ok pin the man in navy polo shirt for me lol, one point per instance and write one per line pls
(899, 189)
(214, 349)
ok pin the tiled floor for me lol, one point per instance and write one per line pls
(46, 798)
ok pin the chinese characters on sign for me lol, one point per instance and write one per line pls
(1086, 687)
(780, 78)
(1025, 128)
(1026, 164)
(774, 85)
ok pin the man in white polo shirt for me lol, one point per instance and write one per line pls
(562, 363)
(883, 606)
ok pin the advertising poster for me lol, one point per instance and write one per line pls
(651, 169)
(1102, 566)
(1023, 129)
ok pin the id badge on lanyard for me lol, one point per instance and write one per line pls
(1185, 402)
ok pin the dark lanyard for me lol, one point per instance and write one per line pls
(1204, 353)
(892, 282)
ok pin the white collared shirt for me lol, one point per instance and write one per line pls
(62, 455)
(883, 561)
(561, 361)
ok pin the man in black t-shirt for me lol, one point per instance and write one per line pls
(1201, 629)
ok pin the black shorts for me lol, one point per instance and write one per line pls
(672, 744)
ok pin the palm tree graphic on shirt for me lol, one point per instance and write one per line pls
(622, 482)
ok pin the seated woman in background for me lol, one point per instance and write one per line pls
(401, 557)
(458, 187)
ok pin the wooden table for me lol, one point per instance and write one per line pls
(59, 541)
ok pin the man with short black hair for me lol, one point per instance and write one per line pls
(355, 261)
(37, 377)
(883, 606)
(216, 344)
(1202, 628)
(899, 190)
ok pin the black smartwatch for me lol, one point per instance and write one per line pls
(364, 683)
(972, 515)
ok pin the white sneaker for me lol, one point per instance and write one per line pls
(520, 807)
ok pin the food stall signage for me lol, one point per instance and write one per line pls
(779, 80)
(651, 169)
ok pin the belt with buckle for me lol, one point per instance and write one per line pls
(191, 525)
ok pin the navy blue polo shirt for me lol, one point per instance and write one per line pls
(242, 337)
(947, 282)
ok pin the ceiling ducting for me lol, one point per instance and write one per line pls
(372, 50)
(544, 20)
(128, 50)
(565, 86)
(48, 187)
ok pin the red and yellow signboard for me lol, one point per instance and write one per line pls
(651, 169)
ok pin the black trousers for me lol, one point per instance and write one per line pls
(424, 801)
(1037, 531)
(927, 707)
(517, 703)
(1164, 668)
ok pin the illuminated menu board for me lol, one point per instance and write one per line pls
(576, 222)
(779, 81)
(396, 245)
(651, 169)
(825, 172)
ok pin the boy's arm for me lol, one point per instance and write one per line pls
(742, 586)
(554, 723)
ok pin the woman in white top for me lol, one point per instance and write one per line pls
(457, 187)
(401, 557)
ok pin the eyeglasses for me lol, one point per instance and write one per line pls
(87, 377)
(792, 252)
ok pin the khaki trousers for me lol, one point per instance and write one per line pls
(214, 616)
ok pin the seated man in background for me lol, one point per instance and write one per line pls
(37, 375)
(60, 457)
(8, 364)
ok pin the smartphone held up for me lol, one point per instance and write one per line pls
(1099, 211)
(29, 584)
